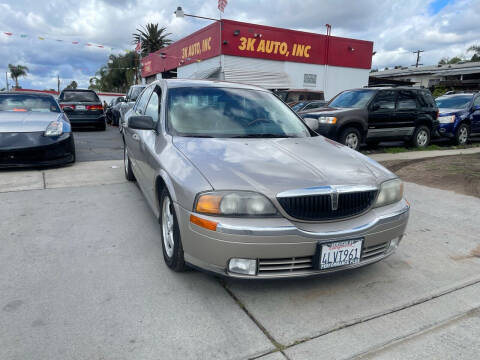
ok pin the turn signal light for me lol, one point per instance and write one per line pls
(206, 224)
(208, 204)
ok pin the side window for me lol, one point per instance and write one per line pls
(142, 101)
(476, 102)
(407, 100)
(152, 107)
(426, 99)
(384, 100)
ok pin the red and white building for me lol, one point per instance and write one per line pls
(271, 57)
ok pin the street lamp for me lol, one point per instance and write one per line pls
(179, 13)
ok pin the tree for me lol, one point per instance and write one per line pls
(118, 74)
(151, 38)
(73, 85)
(16, 71)
(476, 50)
(446, 60)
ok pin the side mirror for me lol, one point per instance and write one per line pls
(312, 123)
(476, 107)
(141, 122)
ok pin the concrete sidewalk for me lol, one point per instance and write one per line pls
(412, 155)
(79, 174)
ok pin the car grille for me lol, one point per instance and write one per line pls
(319, 207)
(373, 251)
(287, 265)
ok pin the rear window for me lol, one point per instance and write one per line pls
(79, 96)
(24, 103)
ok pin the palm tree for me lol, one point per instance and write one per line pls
(151, 38)
(16, 71)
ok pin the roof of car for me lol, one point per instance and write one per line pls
(78, 90)
(177, 83)
(25, 93)
(459, 94)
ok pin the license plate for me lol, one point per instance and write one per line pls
(340, 253)
(80, 107)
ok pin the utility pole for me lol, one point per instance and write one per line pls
(418, 56)
(6, 79)
(58, 83)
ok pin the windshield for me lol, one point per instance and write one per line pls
(453, 102)
(352, 99)
(135, 92)
(298, 106)
(224, 112)
(79, 96)
(23, 103)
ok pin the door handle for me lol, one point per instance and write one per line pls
(136, 137)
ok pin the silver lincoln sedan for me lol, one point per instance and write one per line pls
(243, 187)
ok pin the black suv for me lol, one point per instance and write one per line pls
(83, 108)
(377, 114)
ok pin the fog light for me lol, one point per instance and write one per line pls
(394, 243)
(243, 266)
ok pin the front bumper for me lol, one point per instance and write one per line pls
(447, 130)
(35, 149)
(286, 243)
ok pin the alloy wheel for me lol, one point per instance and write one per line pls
(462, 135)
(422, 138)
(168, 226)
(351, 141)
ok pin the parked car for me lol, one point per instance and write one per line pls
(459, 116)
(114, 110)
(83, 108)
(307, 105)
(33, 131)
(376, 114)
(130, 98)
(295, 95)
(243, 188)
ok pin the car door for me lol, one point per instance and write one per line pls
(380, 112)
(148, 139)
(475, 126)
(132, 137)
(406, 113)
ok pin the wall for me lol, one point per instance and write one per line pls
(273, 74)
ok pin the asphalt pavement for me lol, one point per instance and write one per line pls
(82, 276)
(93, 145)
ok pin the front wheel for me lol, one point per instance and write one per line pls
(462, 133)
(351, 137)
(421, 137)
(170, 233)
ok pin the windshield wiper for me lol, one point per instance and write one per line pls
(262, 136)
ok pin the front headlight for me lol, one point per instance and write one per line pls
(55, 128)
(391, 191)
(446, 119)
(234, 203)
(327, 120)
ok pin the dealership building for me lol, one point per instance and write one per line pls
(270, 57)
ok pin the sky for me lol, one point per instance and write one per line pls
(442, 28)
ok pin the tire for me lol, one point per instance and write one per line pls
(421, 137)
(462, 134)
(127, 165)
(351, 137)
(170, 233)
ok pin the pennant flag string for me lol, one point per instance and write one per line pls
(100, 46)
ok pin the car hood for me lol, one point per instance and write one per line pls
(329, 111)
(28, 121)
(446, 111)
(271, 166)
